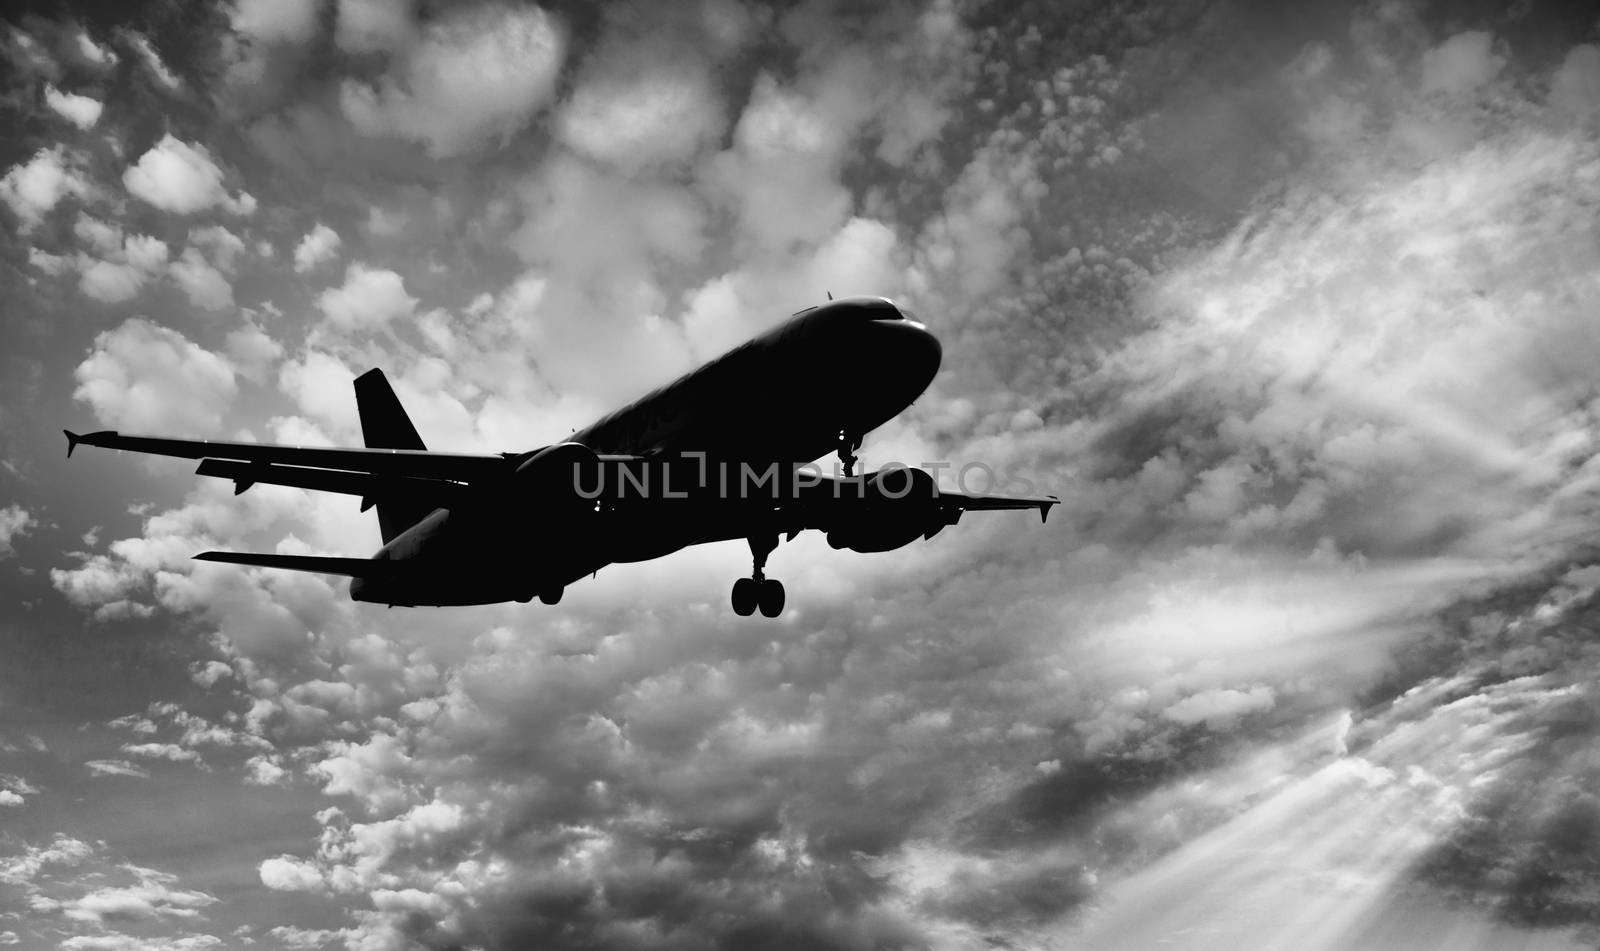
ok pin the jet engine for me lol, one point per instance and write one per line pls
(897, 507)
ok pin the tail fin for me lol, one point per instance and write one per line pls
(384, 425)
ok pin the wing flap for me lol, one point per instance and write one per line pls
(354, 567)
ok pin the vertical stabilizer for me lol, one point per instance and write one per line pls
(385, 425)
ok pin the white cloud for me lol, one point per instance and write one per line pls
(32, 190)
(289, 874)
(153, 379)
(369, 26)
(153, 62)
(14, 521)
(203, 284)
(476, 72)
(116, 767)
(1220, 708)
(9, 798)
(320, 244)
(128, 262)
(182, 178)
(222, 245)
(81, 111)
(277, 21)
(166, 751)
(634, 115)
(369, 299)
(208, 673)
(93, 53)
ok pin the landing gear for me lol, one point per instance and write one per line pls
(759, 591)
(847, 447)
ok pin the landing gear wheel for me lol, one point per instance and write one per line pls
(770, 597)
(746, 591)
(553, 596)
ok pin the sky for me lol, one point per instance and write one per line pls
(1294, 309)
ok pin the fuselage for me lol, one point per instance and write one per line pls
(785, 397)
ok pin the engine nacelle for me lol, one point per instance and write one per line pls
(567, 470)
(897, 507)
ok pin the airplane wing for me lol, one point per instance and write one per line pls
(400, 463)
(957, 502)
(354, 567)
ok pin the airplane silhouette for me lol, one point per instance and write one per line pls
(718, 454)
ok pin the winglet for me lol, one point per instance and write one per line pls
(72, 441)
(1044, 508)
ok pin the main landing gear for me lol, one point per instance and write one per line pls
(759, 591)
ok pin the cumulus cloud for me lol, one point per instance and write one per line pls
(641, 107)
(15, 521)
(475, 73)
(204, 285)
(33, 189)
(176, 176)
(289, 874)
(368, 300)
(319, 244)
(153, 379)
(81, 111)
(9, 798)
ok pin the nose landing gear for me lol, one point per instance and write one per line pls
(759, 591)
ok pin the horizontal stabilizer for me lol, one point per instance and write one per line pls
(354, 567)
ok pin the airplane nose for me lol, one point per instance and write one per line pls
(906, 352)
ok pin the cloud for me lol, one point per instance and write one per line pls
(369, 299)
(320, 244)
(9, 798)
(166, 751)
(116, 767)
(372, 26)
(153, 379)
(277, 21)
(1575, 87)
(81, 111)
(153, 62)
(15, 521)
(32, 190)
(203, 284)
(95, 53)
(289, 874)
(474, 73)
(639, 107)
(125, 265)
(176, 176)
(1220, 708)
(1461, 63)
(223, 246)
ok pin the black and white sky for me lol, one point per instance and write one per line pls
(1296, 306)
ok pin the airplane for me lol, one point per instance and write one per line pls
(719, 454)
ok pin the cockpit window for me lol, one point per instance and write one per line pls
(883, 310)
